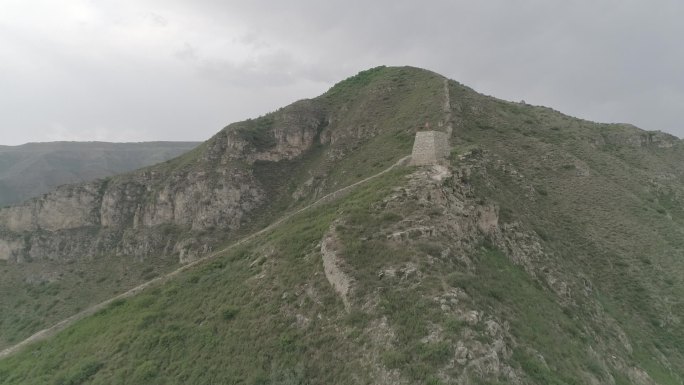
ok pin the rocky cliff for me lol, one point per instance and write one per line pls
(170, 208)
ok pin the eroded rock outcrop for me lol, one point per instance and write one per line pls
(172, 208)
(333, 266)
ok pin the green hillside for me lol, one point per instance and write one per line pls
(545, 250)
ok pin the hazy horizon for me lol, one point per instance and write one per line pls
(156, 70)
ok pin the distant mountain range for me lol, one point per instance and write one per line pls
(35, 168)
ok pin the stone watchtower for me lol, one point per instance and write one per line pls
(430, 147)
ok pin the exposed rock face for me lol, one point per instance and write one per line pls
(67, 208)
(631, 136)
(97, 218)
(332, 266)
(145, 211)
(448, 213)
(8, 248)
(294, 131)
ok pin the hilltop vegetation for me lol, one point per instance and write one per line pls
(546, 250)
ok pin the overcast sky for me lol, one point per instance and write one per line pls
(137, 70)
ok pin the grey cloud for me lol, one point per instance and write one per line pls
(178, 70)
(156, 19)
(186, 53)
(274, 69)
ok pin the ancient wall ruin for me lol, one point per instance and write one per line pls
(429, 147)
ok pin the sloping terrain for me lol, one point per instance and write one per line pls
(545, 250)
(65, 250)
(32, 169)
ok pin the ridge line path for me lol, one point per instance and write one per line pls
(446, 108)
(63, 324)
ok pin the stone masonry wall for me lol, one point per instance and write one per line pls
(429, 147)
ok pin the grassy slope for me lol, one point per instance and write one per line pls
(40, 294)
(234, 320)
(610, 213)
